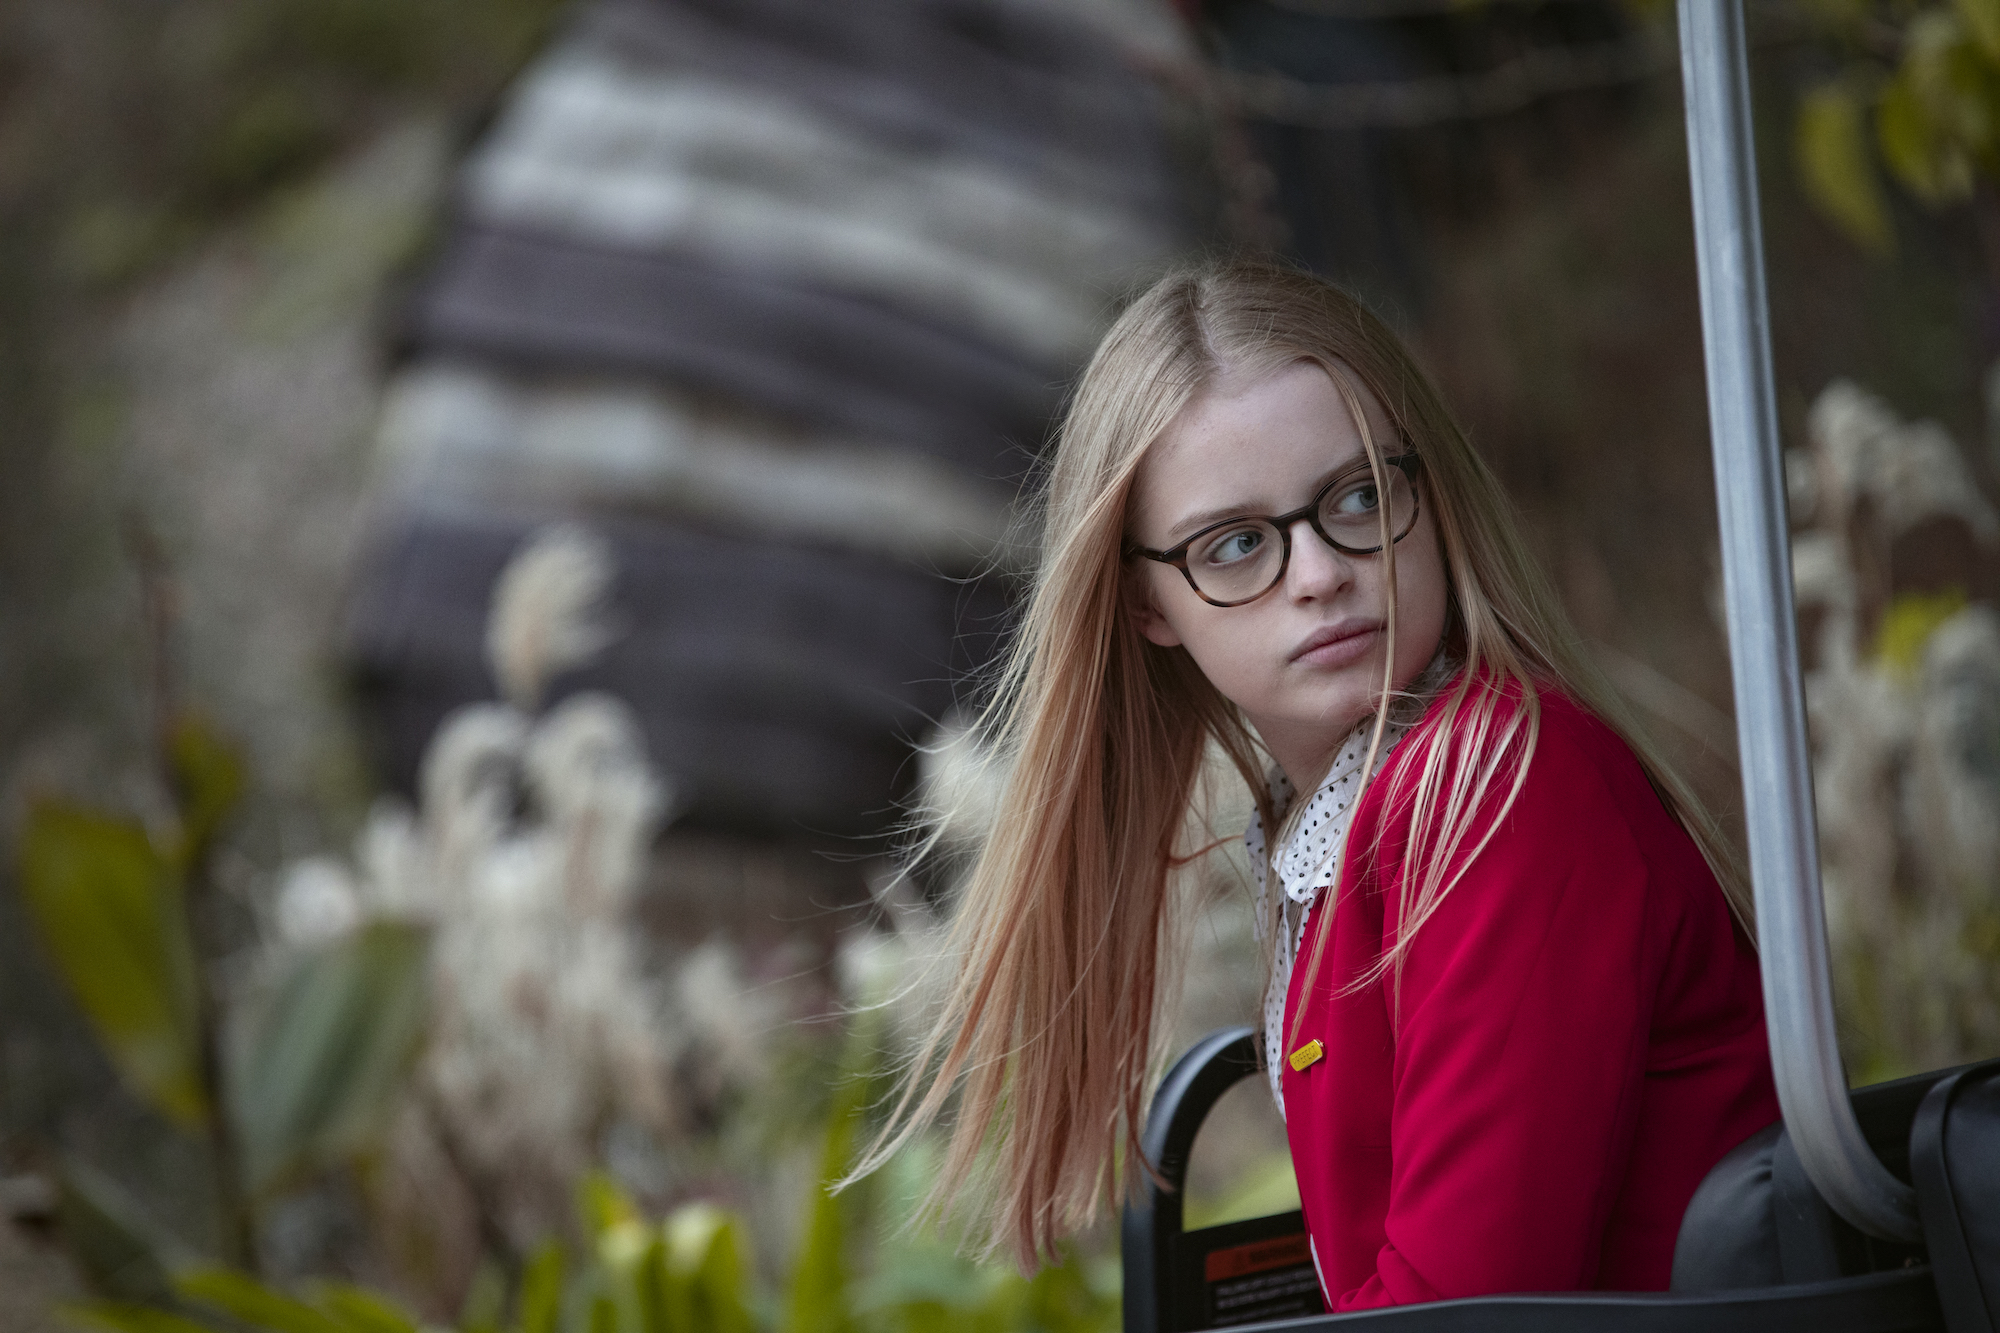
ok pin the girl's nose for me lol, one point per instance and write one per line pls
(1316, 571)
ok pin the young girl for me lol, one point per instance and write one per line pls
(1513, 1014)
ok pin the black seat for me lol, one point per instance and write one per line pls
(1758, 1252)
(1757, 1221)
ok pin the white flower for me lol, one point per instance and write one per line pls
(725, 1023)
(960, 779)
(389, 853)
(548, 612)
(1921, 474)
(870, 965)
(1952, 794)
(586, 767)
(1848, 426)
(531, 840)
(469, 784)
(316, 903)
(1911, 471)
(1906, 766)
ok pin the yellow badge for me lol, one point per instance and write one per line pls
(1305, 1055)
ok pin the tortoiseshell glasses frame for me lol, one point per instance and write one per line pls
(1403, 490)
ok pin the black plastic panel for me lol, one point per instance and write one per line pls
(1246, 1272)
(1955, 1159)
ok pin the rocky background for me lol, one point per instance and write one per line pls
(243, 327)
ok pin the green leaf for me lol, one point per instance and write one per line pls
(1964, 89)
(1907, 626)
(1982, 20)
(361, 1311)
(602, 1205)
(603, 1315)
(1832, 149)
(329, 1059)
(208, 778)
(661, 1299)
(108, 908)
(1938, 112)
(619, 1274)
(123, 1252)
(1908, 139)
(704, 1255)
(1928, 42)
(485, 1299)
(541, 1291)
(124, 1317)
(924, 1274)
(819, 1300)
(1061, 1299)
(251, 1301)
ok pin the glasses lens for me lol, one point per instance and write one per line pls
(1236, 563)
(1351, 511)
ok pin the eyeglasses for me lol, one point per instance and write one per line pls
(1240, 559)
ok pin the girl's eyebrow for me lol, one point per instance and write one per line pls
(1193, 523)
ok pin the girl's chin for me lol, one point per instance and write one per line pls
(1323, 721)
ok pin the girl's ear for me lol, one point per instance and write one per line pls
(1145, 613)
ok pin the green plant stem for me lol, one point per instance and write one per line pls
(239, 1223)
(158, 602)
(239, 1227)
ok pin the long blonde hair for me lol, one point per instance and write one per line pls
(1068, 929)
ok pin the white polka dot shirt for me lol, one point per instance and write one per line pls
(1311, 860)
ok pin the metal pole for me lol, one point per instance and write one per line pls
(1763, 636)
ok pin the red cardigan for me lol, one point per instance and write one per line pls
(1580, 1038)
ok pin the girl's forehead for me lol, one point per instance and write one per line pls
(1251, 443)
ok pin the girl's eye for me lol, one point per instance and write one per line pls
(1230, 547)
(1355, 500)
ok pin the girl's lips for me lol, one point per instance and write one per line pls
(1339, 645)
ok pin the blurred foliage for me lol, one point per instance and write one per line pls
(108, 896)
(1838, 169)
(1918, 94)
(816, 1302)
(685, 1274)
(121, 1252)
(1909, 622)
(317, 1074)
(207, 776)
(198, 110)
(328, 1060)
(109, 909)
(1268, 1186)
(110, 899)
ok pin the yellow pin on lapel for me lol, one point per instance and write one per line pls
(1306, 1055)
